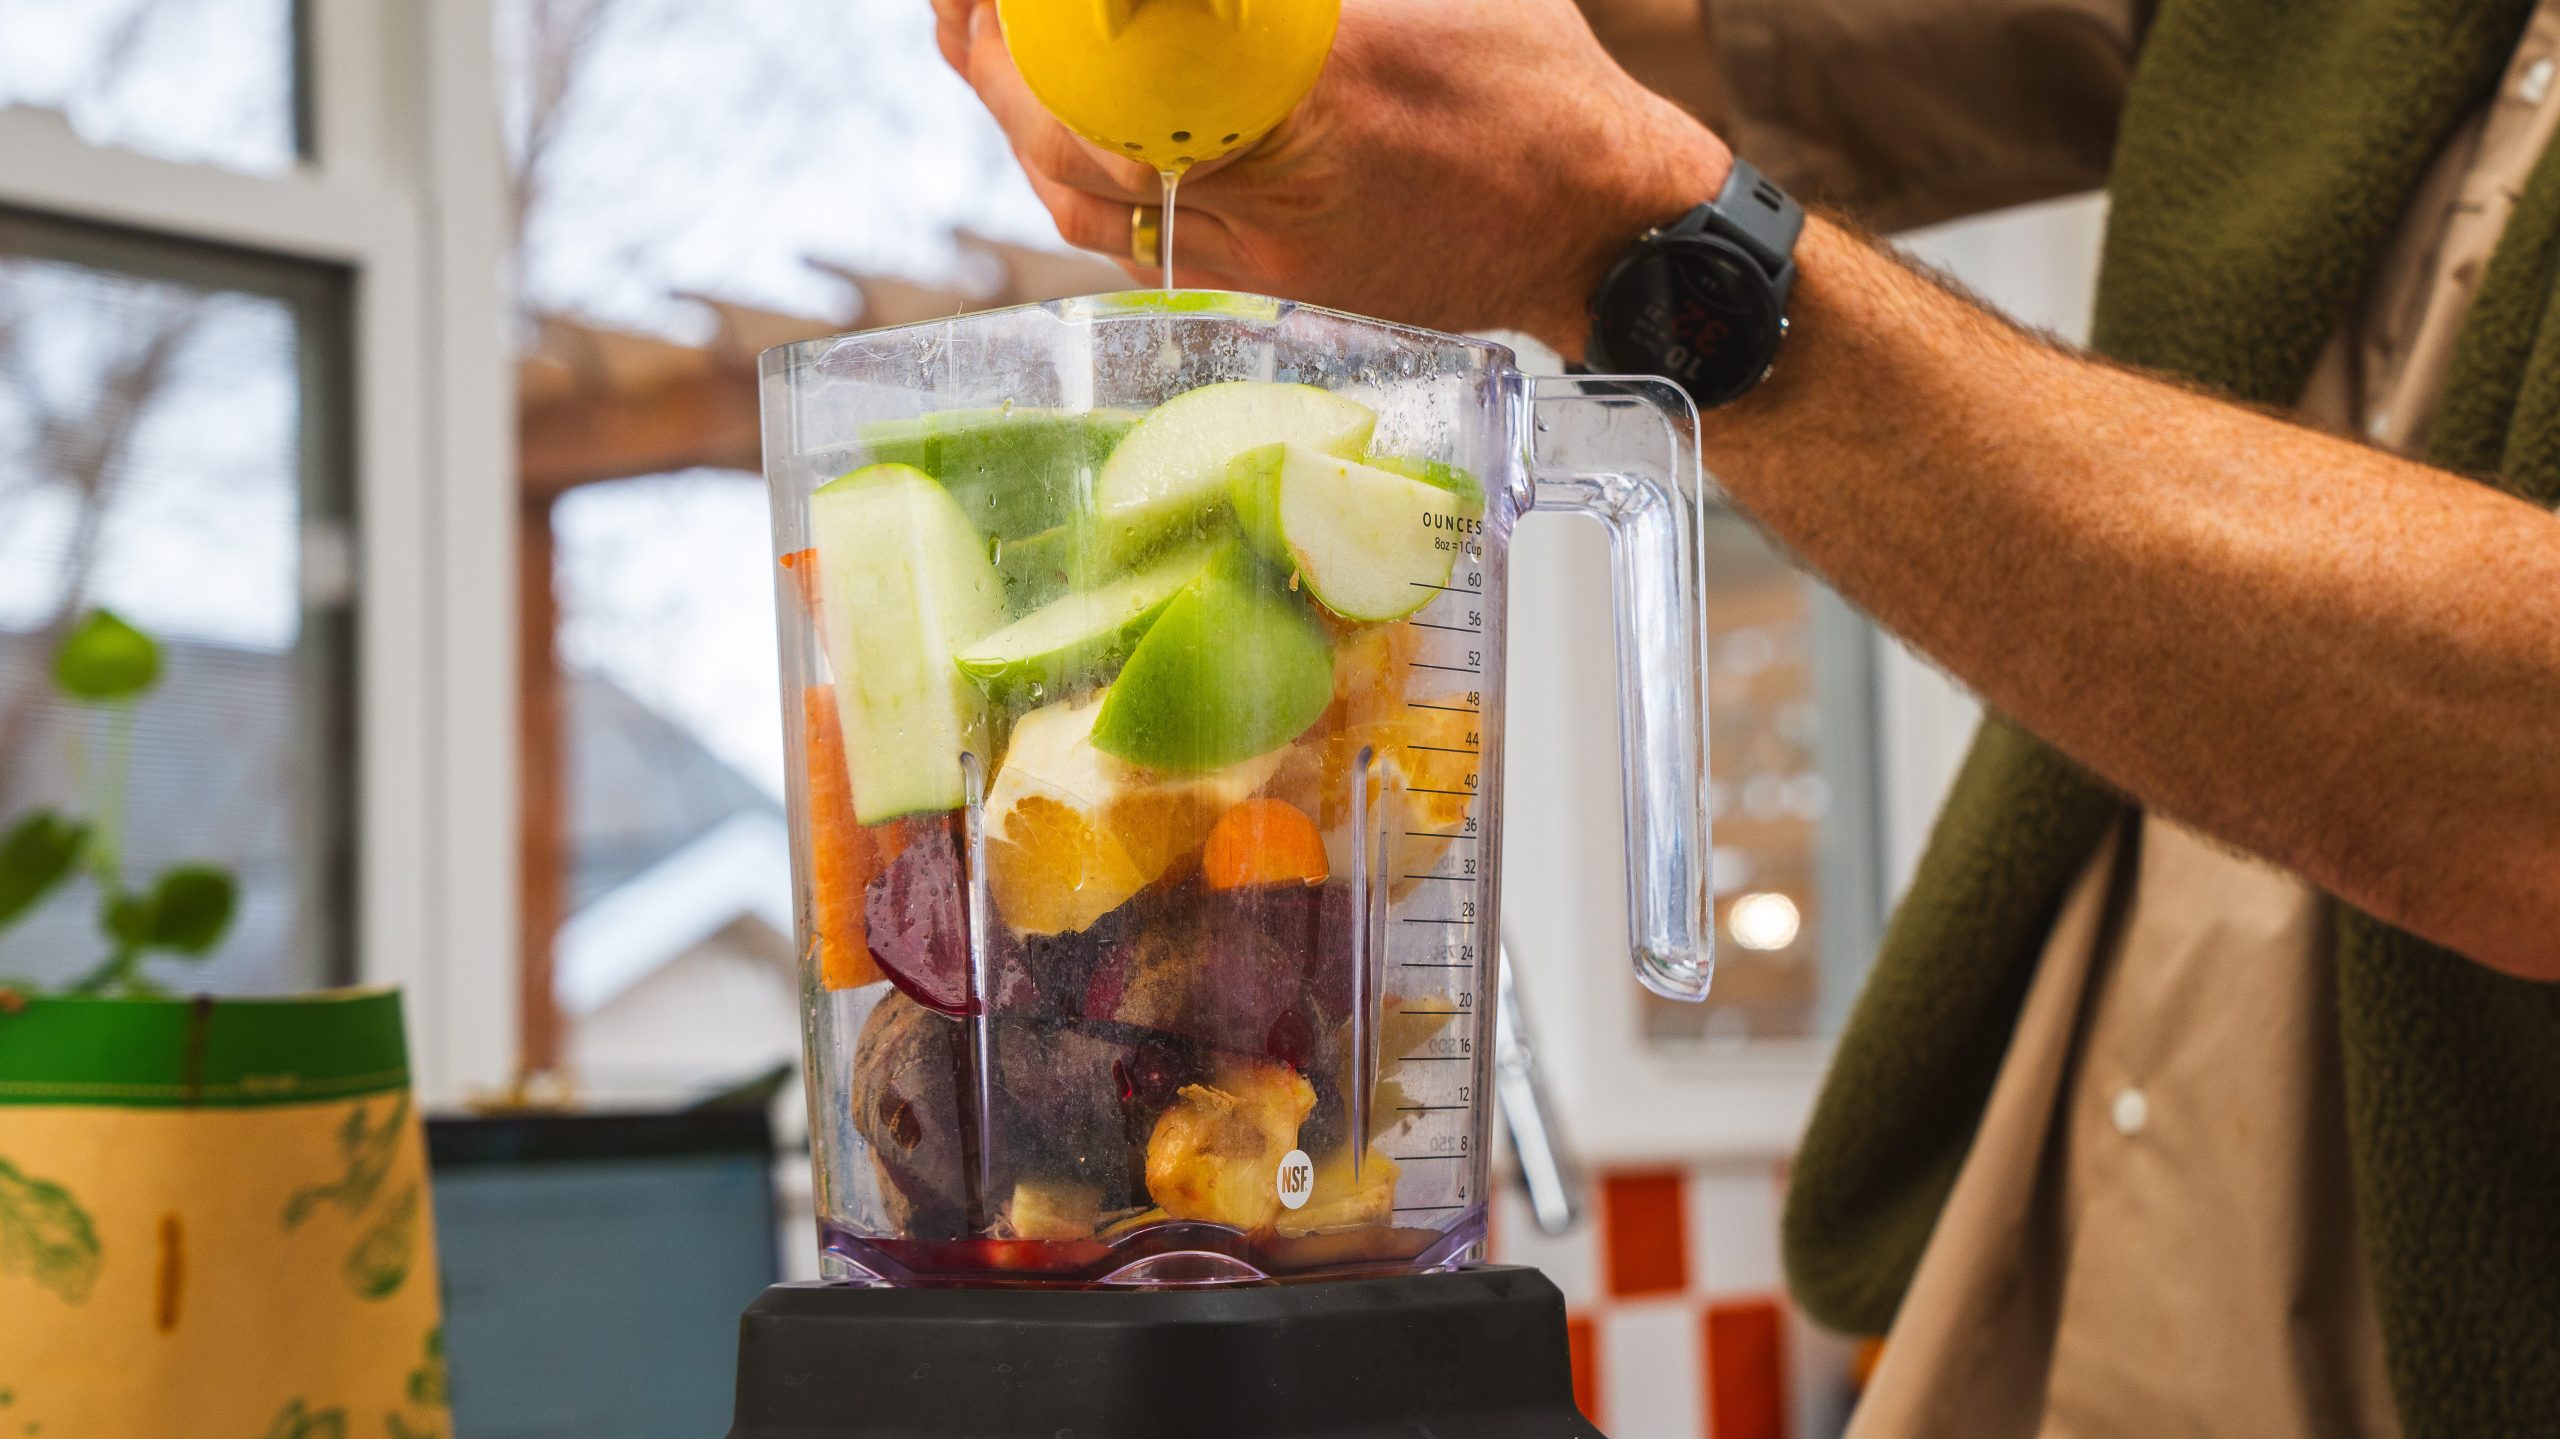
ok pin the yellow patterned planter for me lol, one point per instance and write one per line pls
(214, 1222)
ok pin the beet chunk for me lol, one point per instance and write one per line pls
(916, 914)
(907, 1069)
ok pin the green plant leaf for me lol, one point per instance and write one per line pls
(126, 918)
(104, 660)
(34, 857)
(190, 909)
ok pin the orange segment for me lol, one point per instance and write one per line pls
(1073, 833)
(1052, 869)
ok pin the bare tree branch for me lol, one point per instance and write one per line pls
(82, 448)
(559, 34)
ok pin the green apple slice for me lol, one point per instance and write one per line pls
(906, 583)
(1015, 472)
(1175, 462)
(1234, 668)
(1077, 637)
(1084, 553)
(1370, 544)
(1439, 474)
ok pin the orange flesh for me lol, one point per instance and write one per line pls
(1263, 841)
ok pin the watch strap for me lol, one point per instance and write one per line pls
(1753, 213)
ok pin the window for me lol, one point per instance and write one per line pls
(215, 81)
(799, 165)
(171, 449)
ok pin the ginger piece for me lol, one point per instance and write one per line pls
(1055, 1209)
(1216, 1150)
(1340, 1200)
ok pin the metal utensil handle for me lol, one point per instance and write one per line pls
(1547, 1169)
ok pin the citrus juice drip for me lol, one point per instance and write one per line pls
(1172, 178)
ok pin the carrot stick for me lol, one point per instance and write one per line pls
(803, 565)
(843, 856)
(1263, 841)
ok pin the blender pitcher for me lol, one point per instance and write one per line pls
(1143, 664)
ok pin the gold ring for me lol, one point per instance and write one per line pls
(1146, 234)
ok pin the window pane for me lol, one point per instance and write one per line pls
(1792, 741)
(667, 149)
(197, 80)
(676, 967)
(168, 451)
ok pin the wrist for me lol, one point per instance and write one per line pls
(1670, 164)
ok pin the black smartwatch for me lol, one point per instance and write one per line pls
(1702, 302)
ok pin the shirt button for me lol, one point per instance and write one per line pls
(2130, 1111)
(2536, 82)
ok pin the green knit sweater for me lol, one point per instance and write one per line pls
(2268, 150)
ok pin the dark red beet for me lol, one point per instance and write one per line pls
(907, 1101)
(1307, 930)
(916, 914)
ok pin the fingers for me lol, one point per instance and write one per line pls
(951, 31)
(1087, 222)
(1045, 147)
(1204, 246)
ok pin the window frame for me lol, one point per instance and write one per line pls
(402, 185)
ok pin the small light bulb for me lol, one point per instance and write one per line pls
(1763, 921)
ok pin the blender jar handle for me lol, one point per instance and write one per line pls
(1624, 451)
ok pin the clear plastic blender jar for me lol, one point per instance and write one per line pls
(1143, 660)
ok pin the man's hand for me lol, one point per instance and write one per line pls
(2304, 647)
(1463, 165)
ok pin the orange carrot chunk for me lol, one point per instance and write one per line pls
(803, 565)
(1263, 841)
(843, 856)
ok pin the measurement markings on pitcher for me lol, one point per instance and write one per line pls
(1438, 911)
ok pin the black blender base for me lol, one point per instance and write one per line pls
(1479, 1354)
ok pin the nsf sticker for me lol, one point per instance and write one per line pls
(1297, 1179)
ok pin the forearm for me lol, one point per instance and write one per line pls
(2342, 661)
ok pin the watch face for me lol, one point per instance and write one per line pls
(1694, 310)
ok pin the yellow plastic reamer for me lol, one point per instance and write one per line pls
(1171, 83)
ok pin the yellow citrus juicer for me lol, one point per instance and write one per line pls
(1170, 83)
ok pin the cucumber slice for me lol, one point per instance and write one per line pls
(904, 584)
(1015, 472)
(1371, 545)
(1077, 637)
(1175, 462)
(1234, 668)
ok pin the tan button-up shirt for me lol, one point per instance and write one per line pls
(2154, 1232)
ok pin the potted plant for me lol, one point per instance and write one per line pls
(213, 1211)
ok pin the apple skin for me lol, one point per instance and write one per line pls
(1236, 667)
(1076, 638)
(905, 584)
(1372, 545)
(1015, 472)
(1174, 463)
